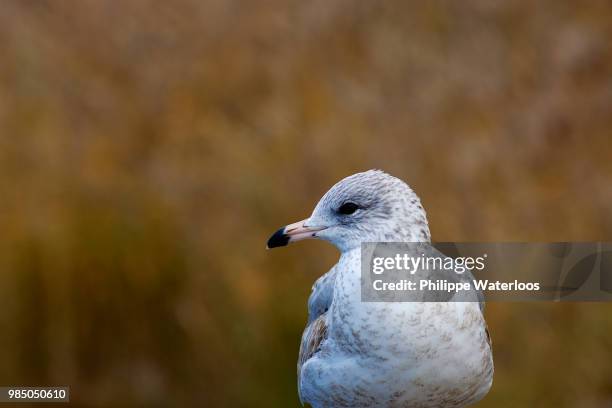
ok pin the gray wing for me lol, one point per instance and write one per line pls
(316, 330)
(314, 335)
(322, 294)
(466, 276)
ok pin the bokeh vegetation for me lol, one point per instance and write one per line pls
(148, 149)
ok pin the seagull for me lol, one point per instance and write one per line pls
(382, 354)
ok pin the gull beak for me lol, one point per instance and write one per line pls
(293, 232)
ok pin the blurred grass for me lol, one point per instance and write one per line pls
(148, 149)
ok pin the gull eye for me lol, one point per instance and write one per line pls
(348, 208)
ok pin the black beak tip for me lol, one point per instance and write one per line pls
(278, 239)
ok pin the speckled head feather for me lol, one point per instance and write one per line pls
(372, 206)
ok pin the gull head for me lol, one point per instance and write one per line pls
(372, 206)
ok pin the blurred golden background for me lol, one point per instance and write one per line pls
(148, 150)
